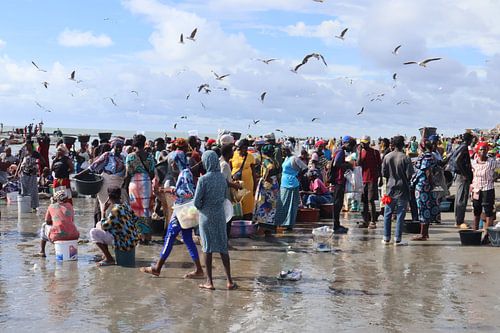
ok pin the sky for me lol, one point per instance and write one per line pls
(132, 73)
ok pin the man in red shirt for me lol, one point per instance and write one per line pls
(370, 162)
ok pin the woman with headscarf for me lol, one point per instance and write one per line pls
(59, 222)
(111, 167)
(317, 193)
(184, 192)
(140, 167)
(427, 203)
(28, 171)
(62, 167)
(289, 192)
(209, 199)
(243, 168)
(266, 197)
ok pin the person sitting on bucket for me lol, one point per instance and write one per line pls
(59, 222)
(118, 228)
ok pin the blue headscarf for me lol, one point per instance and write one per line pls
(210, 161)
(180, 160)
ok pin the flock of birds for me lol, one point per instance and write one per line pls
(207, 89)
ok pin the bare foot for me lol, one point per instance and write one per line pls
(207, 286)
(194, 275)
(104, 263)
(39, 255)
(232, 286)
(149, 270)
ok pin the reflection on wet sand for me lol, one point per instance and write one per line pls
(437, 285)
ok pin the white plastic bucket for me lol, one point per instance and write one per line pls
(23, 204)
(66, 250)
(12, 197)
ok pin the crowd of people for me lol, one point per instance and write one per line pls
(267, 180)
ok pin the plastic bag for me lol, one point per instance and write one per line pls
(354, 180)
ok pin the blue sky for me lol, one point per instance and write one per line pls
(119, 46)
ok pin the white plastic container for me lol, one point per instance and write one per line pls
(23, 204)
(12, 197)
(187, 214)
(322, 238)
(66, 250)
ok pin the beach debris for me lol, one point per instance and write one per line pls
(396, 49)
(193, 34)
(290, 275)
(317, 56)
(422, 63)
(342, 34)
(38, 68)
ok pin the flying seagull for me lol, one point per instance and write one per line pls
(395, 76)
(314, 119)
(72, 76)
(112, 101)
(45, 84)
(175, 126)
(220, 77)
(267, 61)
(360, 112)
(181, 40)
(39, 105)
(342, 34)
(203, 106)
(306, 59)
(41, 70)
(278, 130)
(187, 97)
(203, 86)
(255, 122)
(402, 102)
(395, 51)
(135, 92)
(184, 117)
(262, 96)
(422, 63)
(319, 0)
(193, 34)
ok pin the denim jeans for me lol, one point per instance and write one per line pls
(398, 205)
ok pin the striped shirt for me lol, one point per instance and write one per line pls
(484, 173)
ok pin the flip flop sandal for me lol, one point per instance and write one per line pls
(104, 263)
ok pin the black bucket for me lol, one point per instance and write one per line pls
(470, 237)
(411, 227)
(84, 138)
(105, 137)
(69, 140)
(88, 184)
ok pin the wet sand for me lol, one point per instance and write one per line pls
(364, 286)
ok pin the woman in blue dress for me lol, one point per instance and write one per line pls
(427, 202)
(209, 199)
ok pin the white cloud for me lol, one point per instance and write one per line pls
(77, 38)
(2, 43)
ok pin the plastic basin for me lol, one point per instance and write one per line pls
(69, 140)
(88, 184)
(470, 237)
(84, 138)
(187, 214)
(125, 258)
(105, 136)
(494, 235)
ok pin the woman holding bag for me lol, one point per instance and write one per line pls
(243, 168)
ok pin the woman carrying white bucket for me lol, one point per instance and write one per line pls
(59, 222)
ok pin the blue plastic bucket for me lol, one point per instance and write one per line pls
(125, 258)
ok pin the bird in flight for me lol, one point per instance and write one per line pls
(39, 69)
(267, 61)
(203, 106)
(314, 119)
(184, 117)
(193, 34)
(402, 102)
(203, 86)
(72, 76)
(342, 34)
(262, 96)
(135, 92)
(376, 99)
(45, 84)
(306, 59)
(319, 0)
(112, 101)
(278, 130)
(255, 122)
(175, 126)
(181, 39)
(395, 76)
(187, 97)
(422, 63)
(361, 111)
(396, 50)
(220, 77)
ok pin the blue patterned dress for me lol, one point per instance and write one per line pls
(427, 201)
(209, 199)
